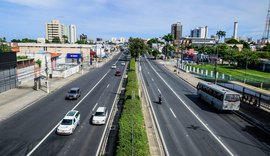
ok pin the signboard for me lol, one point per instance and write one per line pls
(73, 55)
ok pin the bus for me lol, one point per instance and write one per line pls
(218, 97)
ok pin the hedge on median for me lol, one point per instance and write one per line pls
(132, 133)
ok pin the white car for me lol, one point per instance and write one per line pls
(114, 66)
(100, 117)
(123, 63)
(69, 123)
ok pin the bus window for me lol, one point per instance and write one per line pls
(232, 97)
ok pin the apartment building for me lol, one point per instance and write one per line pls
(176, 30)
(54, 29)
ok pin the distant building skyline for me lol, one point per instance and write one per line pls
(176, 30)
(56, 29)
(200, 32)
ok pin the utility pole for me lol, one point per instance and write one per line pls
(215, 70)
(47, 75)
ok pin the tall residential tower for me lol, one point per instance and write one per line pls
(176, 30)
(54, 29)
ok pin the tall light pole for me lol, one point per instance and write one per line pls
(47, 77)
(215, 70)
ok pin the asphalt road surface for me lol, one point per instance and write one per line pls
(32, 131)
(190, 126)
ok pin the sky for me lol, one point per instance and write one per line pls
(132, 18)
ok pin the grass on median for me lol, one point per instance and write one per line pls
(132, 133)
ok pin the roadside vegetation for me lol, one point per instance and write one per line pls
(132, 132)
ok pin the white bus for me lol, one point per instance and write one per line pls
(219, 97)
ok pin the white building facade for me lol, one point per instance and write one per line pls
(54, 29)
(200, 32)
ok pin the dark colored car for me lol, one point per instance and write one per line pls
(117, 73)
(74, 93)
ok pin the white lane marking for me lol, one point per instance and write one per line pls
(95, 106)
(33, 150)
(152, 79)
(172, 112)
(108, 85)
(148, 73)
(196, 116)
(159, 91)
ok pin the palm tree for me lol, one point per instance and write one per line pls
(168, 38)
(221, 34)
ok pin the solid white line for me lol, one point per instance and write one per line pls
(33, 150)
(196, 116)
(152, 79)
(108, 85)
(155, 117)
(159, 91)
(95, 107)
(172, 112)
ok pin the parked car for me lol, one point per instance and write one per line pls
(114, 66)
(117, 73)
(73, 93)
(100, 116)
(69, 123)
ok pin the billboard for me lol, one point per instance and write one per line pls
(73, 55)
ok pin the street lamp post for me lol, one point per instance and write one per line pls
(215, 69)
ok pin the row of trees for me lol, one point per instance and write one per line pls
(231, 55)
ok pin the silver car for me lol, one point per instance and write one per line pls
(74, 93)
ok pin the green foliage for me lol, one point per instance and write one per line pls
(22, 57)
(24, 40)
(39, 62)
(3, 39)
(238, 73)
(220, 34)
(81, 42)
(132, 134)
(65, 38)
(152, 41)
(4, 48)
(56, 40)
(137, 47)
(264, 55)
(232, 41)
(245, 44)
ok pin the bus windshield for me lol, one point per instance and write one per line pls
(232, 97)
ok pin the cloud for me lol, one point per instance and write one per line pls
(142, 17)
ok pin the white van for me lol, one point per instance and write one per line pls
(69, 123)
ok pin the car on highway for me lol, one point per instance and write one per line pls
(114, 66)
(100, 117)
(123, 63)
(117, 73)
(69, 123)
(73, 93)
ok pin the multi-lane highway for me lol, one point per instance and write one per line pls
(32, 131)
(189, 126)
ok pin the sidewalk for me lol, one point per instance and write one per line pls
(17, 99)
(257, 116)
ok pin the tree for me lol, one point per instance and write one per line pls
(3, 39)
(65, 38)
(56, 40)
(232, 41)
(245, 44)
(221, 34)
(168, 38)
(4, 48)
(136, 47)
